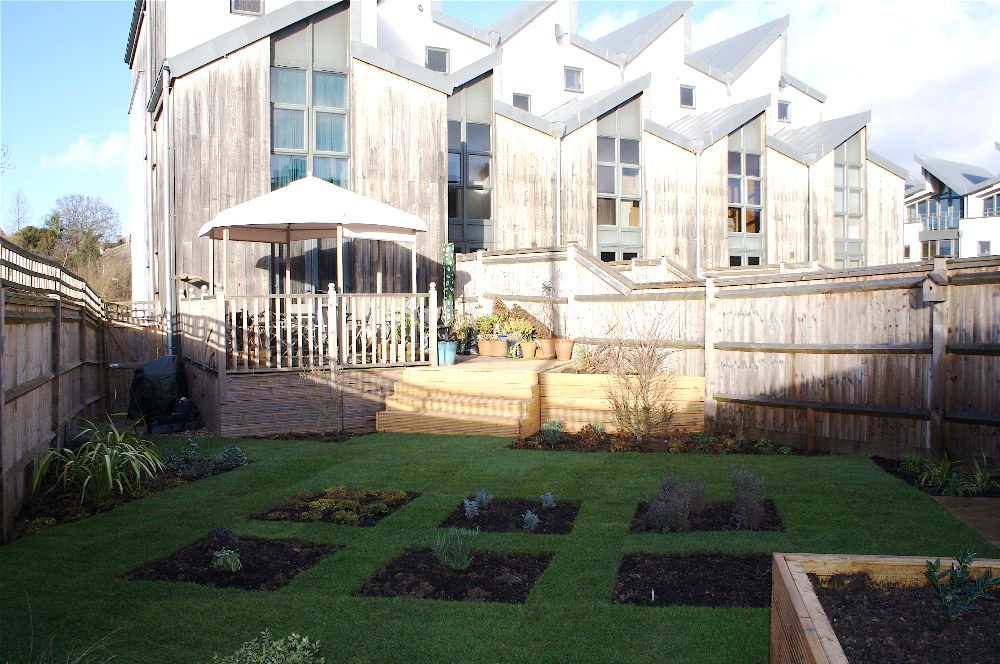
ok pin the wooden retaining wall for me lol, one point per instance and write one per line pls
(581, 399)
(880, 361)
(57, 350)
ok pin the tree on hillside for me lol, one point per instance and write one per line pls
(6, 163)
(42, 241)
(19, 214)
(80, 216)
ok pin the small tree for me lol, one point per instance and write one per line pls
(20, 212)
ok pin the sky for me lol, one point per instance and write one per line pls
(927, 70)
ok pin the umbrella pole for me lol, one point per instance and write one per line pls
(340, 258)
(288, 262)
(413, 264)
(378, 263)
(225, 261)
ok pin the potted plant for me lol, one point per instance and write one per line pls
(486, 337)
(564, 349)
(447, 345)
(464, 332)
(519, 334)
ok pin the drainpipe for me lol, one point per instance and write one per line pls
(699, 146)
(168, 212)
(148, 198)
(560, 132)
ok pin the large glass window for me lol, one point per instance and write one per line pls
(745, 191)
(470, 165)
(849, 203)
(619, 183)
(991, 206)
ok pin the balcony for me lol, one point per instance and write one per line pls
(938, 222)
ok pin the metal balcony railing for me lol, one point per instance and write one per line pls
(939, 222)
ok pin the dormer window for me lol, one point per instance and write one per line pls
(574, 79)
(251, 7)
(784, 111)
(437, 59)
(687, 96)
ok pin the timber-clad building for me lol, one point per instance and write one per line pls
(522, 134)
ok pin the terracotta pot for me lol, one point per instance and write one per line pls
(528, 349)
(564, 349)
(547, 349)
(492, 348)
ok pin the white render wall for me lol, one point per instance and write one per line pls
(911, 239)
(975, 230)
(194, 22)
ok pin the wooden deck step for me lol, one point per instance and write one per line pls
(439, 423)
(460, 405)
(446, 391)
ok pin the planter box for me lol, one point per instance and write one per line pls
(800, 630)
(581, 399)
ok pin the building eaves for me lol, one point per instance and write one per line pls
(531, 120)
(709, 128)
(962, 178)
(985, 186)
(728, 59)
(409, 70)
(815, 141)
(791, 81)
(457, 25)
(632, 39)
(887, 164)
(669, 135)
(577, 113)
(512, 23)
(784, 148)
(594, 49)
(133, 31)
(474, 70)
(234, 40)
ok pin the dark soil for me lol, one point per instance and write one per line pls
(715, 516)
(878, 624)
(673, 443)
(267, 564)
(506, 516)
(894, 467)
(327, 437)
(492, 577)
(701, 580)
(338, 504)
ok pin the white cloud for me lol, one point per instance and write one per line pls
(608, 21)
(926, 70)
(84, 153)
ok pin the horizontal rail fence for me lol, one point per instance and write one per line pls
(58, 352)
(883, 360)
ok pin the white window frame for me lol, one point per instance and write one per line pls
(788, 111)
(694, 98)
(567, 70)
(243, 12)
(521, 94)
(984, 248)
(438, 49)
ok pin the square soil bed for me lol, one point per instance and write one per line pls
(715, 516)
(506, 516)
(492, 577)
(267, 564)
(702, 580)
(338, 504)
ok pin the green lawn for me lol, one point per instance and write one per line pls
(68, 575)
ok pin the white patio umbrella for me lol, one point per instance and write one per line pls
(313, 209)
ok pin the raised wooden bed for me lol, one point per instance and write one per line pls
(800, 630)
(581, 399)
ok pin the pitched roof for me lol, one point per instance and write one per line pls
(728, 59)
(887, 164)
(791, 81)
(505, 27)
(578, 112)
(962, 178)
(634, 38)
(709, 128)
(811, 143)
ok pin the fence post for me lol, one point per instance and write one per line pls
(332, 327)
(940, 320)
(711, 361)
(480, 276)
(433, 306)
(222, 352)
(56, 371)
(571, 288)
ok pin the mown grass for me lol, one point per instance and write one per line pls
(69, 575)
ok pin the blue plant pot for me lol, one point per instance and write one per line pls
(446, 352)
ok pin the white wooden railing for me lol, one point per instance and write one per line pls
(305, 331)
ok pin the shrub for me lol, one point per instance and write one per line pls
(377, 508)
(112, 462)
(483, 498)
(591, 434)
(548, 501)
(453, 547)
(227, 559)
(345, 505)
(471, 508)
(552, 432)
(321, 504)
(277, 516)
(38, 524)
(911, 463)
(315, 515)
(344, 517)
(232, 457)
(673, 505)
(265, 649)
(982, 479)
(222, 538)
(530, 520)
(764, 446)
(746, 490)
(337, 492)
(394, 496)
(956, 587)
(786, 450)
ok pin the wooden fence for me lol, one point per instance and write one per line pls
(884, 360)
(62, 360)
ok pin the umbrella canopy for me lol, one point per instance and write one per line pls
(311, 209)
